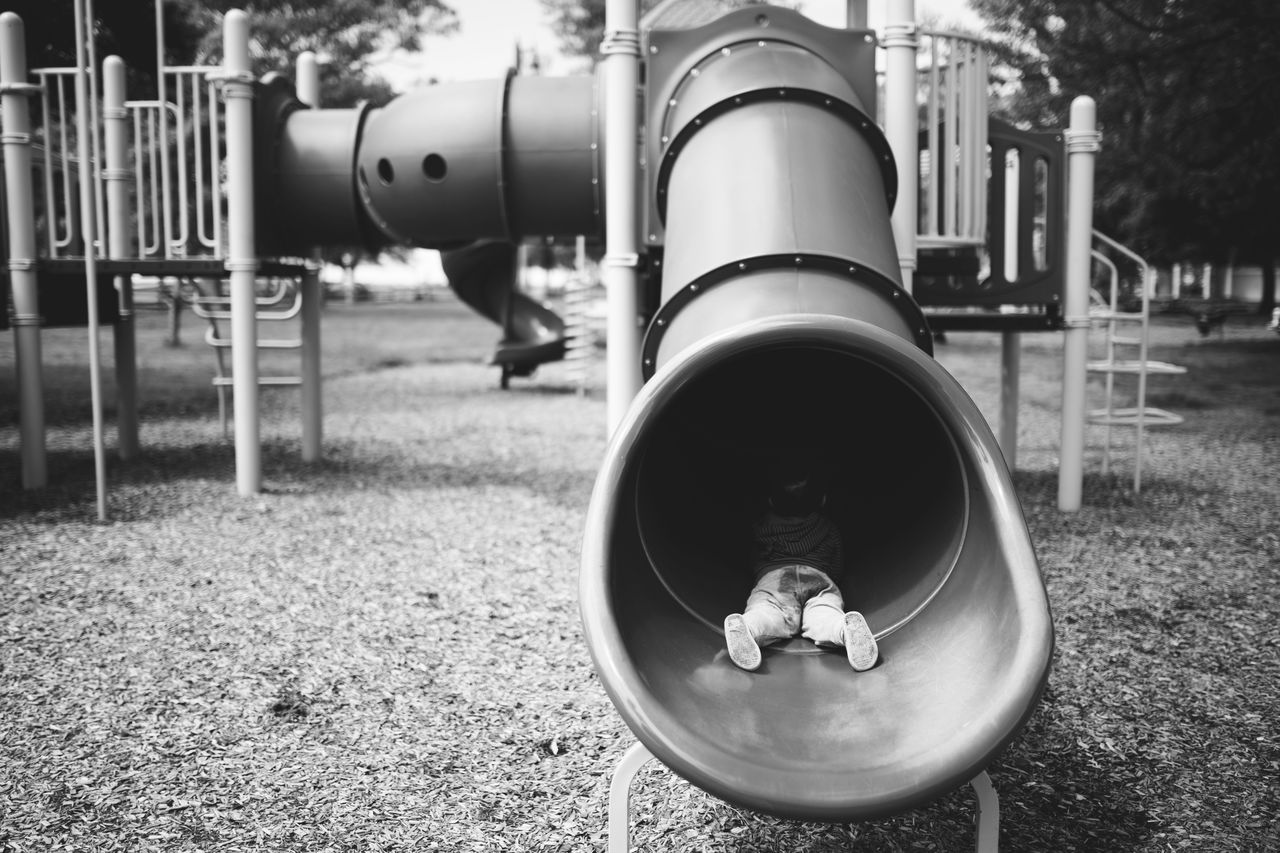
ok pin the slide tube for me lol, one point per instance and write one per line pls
(784, 331)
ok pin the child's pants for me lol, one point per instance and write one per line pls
(795, 600)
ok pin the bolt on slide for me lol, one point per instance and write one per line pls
(782, 328)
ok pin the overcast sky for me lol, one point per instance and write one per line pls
(489, 30)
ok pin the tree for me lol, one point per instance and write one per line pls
(1187, 94)
(580, 23)
(346, 36)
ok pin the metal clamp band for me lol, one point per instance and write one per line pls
(224, 76)
(14, 138)
(625, 260)
(620, 41)
(241, 265)
(26, 320)
(1083, 141)
(904, 34)
(1079, 322)
(116, 174)
(21, 264)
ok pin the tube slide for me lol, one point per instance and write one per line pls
(487, 160)
(784, 331)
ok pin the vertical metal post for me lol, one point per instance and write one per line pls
(15, 119)
(1082, 147)
(1010, 366)
(900, 125)
(241, 261)
(115, 175)
(89, 231)
(855, 14)
(312, 409)
(619, 267)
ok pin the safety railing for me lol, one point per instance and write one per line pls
(952, 85)
(176, 146)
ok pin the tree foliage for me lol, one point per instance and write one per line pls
(346, 35)
(1187, 94)
(580, 23)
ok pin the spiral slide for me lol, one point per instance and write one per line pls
(483, 275)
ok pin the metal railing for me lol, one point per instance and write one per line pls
(952, 84)
(177, 148)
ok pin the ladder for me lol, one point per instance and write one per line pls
(280, 301)
(1125, 331)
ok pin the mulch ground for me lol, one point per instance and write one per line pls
(383, 652)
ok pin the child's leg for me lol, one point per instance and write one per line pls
(827, 624)
(823, 617)
(773, 608)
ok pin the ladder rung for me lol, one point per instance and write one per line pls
(1151, 416)
(285, 343)
(227, 381)
(1162, 367)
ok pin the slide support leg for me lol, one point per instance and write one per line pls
(988, 814)
(620, 797)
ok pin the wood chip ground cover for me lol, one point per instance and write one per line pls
(383, 652)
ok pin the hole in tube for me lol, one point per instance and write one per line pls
(434, 167)
(762, 20)
(386, 173)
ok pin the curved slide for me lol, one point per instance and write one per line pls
(483, 275)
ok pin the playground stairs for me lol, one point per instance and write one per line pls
(278, 300)
(1125, 342)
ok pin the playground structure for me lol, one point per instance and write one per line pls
(784, 255)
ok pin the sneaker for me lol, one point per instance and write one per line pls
(743, 650)
(859, 643)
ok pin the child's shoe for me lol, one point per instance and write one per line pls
(859, 643)
(743, 649)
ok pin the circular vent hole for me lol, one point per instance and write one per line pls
(434, 167)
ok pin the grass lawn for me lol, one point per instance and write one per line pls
(382, 651)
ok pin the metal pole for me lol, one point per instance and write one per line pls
(241, 261)
(1082, 147)
(619, 267)
(115, 119)
(89, 233)
(20, 206)
(855, 12)
(1010, 366)
(312, 410)
(900, 125)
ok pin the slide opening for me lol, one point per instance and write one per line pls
(896, 485)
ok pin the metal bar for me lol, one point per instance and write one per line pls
(116, 177)
(933, 199)
(621, 57)
(988, 817)
(20, 209)
(180, 132)
(952, 142)
(237, 89)
(308, 76)
(1010, 367)
(620, 796)
(901, 121)
(1082, 148)
(88, 226)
